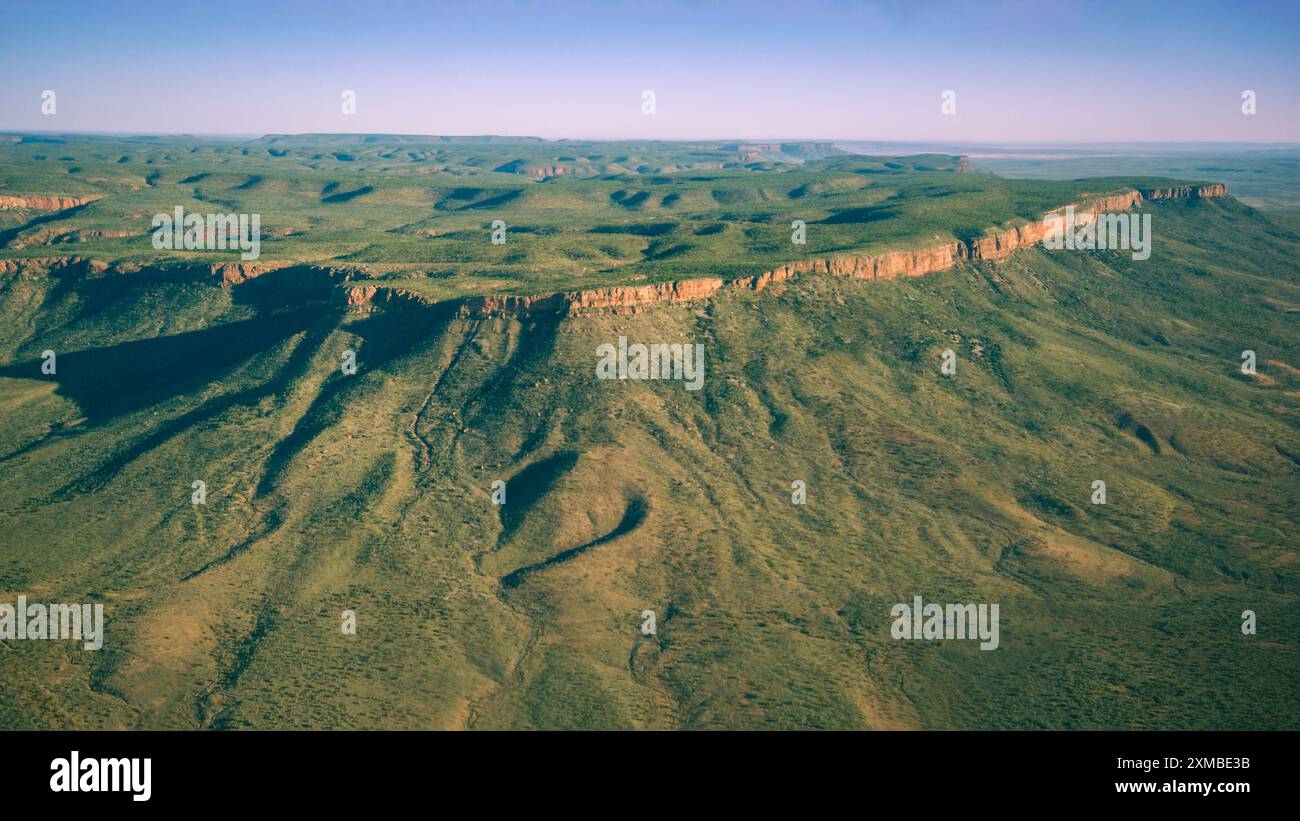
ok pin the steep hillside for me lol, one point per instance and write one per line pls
(372, 492)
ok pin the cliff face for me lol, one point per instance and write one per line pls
(1186, 192)
(633, 299)
(994, 246)
(1001, 244)
(40, 202)
(882, 266)
(233, 273)
(39, 266)
(222, 274)
(637, 296)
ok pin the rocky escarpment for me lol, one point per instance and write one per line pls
(633, 299)
(1187, 192)
(220, 274)
(42, 202)
(999, 245)
(994, 246)
(39, 266)
(229, 273)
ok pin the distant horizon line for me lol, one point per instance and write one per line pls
(533, 137)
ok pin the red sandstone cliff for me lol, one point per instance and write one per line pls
(40, 202)
(1187, 192)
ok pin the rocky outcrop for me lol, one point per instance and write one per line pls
(1186, 192)
(221, 274)
(889, 265)
(1000, 244)
(361, 295)
(543, 172)
(54, 238)
(40, 266)
(625, 299)
(507, 305)
(638, 296)
(43, 202)
(233, 273)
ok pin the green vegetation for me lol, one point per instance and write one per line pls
(371, 492)
(420, 214)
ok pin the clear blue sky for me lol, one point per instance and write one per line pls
(1022, 71)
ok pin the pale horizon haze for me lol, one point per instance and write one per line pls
(1021, 72)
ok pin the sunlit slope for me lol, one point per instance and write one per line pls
(372, 493)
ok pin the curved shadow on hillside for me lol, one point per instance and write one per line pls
(633, 516)
(528, 486)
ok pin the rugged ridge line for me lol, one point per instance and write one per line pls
(222, 273)
(994, 246)
(40, 202)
